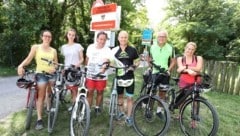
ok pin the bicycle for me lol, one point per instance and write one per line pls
(28, 82)
(196, 115)
(57, 95)
(114, 110)
(145, 118)
(80, 116)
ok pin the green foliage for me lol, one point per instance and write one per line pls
(213, 25)
(21, 22)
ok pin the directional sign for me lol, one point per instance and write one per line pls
(147, 37)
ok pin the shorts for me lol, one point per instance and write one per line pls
(99, 85)
(161, 79)
(129, 90)
(43, 79)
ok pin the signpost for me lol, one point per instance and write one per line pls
(106, 18)
(147, 37)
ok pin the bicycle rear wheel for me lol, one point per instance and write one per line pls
(198, 118)
(80, 118)
(145, 119)
(30, 108)
(53, 111)
(113, 112)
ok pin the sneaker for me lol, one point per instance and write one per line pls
(120, 116)
(39, 125)
(97, 111)
(128, 122)
(160, 115)
(70, 109)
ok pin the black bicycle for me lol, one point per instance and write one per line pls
(28, 82)
(196, 115)
(145, 118)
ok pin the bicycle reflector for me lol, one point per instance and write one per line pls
(23, 83)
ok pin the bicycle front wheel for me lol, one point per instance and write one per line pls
(113, 112)
(80, 118)
(30, 107)
(146, 121)
(198, 117)
(53, 111)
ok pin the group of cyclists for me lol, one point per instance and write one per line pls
(161, 53)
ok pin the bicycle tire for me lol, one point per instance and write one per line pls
(30, 108)
(170, 99)
(145, 119)
(112, 112)
(205, 122)
(53, 111)
(80, 118)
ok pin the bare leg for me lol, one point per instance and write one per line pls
(162, 94)
(74, 95)
(90, 97)
(120, 102)
(129, 106)
(99, 98)
(40, 100)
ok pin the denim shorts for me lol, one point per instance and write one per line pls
(43, 78)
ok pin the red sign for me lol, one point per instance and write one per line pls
(106, 17)
(103, 25)
(104, 9)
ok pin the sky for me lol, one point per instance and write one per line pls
(155, 11)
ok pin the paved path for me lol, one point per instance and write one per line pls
(12, 98)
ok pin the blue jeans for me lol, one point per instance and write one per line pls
(44, 79)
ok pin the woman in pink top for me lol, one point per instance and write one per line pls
(189, 65)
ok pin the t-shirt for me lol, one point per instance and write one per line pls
(96, 57)
(127, 58)
(71, 53)
(161, 55)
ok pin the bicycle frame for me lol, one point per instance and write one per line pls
(82, 92)
(31, 97)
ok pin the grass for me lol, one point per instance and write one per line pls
(226, 105)
(7, 71)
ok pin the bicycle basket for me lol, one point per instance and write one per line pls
(146, 75)
(206, 85)
(23, 83)
(71, 77)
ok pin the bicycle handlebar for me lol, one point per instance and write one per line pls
(158, 67)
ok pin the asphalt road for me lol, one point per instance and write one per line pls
(12, 98)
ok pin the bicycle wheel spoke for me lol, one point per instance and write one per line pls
(80, 119)
(144, 115)
(198, 118)
(52, 115)
(112, 112)
(30, 109)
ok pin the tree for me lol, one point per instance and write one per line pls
(23, 20)
(208, 23)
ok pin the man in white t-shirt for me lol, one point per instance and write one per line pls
(96, 55)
